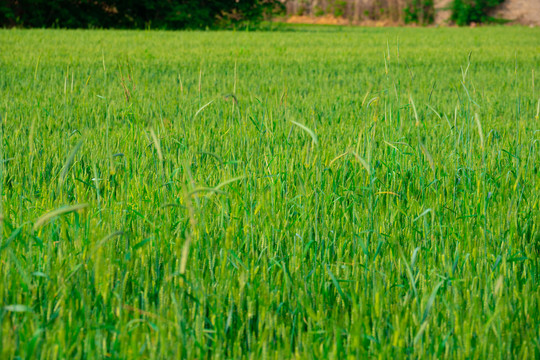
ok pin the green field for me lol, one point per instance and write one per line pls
(318, 192)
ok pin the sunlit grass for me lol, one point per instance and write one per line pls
(324, 192)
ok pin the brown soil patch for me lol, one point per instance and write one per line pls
(442, 11)
(332, 20)
(321, 20)
(525, 12)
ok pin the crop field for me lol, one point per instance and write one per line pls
(314, 192)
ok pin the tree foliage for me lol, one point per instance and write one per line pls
(465, 12)
(420, 12)
(164, 14)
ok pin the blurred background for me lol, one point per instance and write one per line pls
(181, 14)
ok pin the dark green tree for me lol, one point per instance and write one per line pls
(164, 14)
(420, 12)
(465, 12)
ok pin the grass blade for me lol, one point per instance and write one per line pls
(61, 211)
(308, 130)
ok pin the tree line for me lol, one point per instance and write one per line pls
(182, 14)
(135, 14)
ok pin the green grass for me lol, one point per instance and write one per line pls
(314, 193)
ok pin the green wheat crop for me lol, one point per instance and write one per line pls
(318, 192)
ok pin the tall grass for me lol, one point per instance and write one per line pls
(314, 193)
